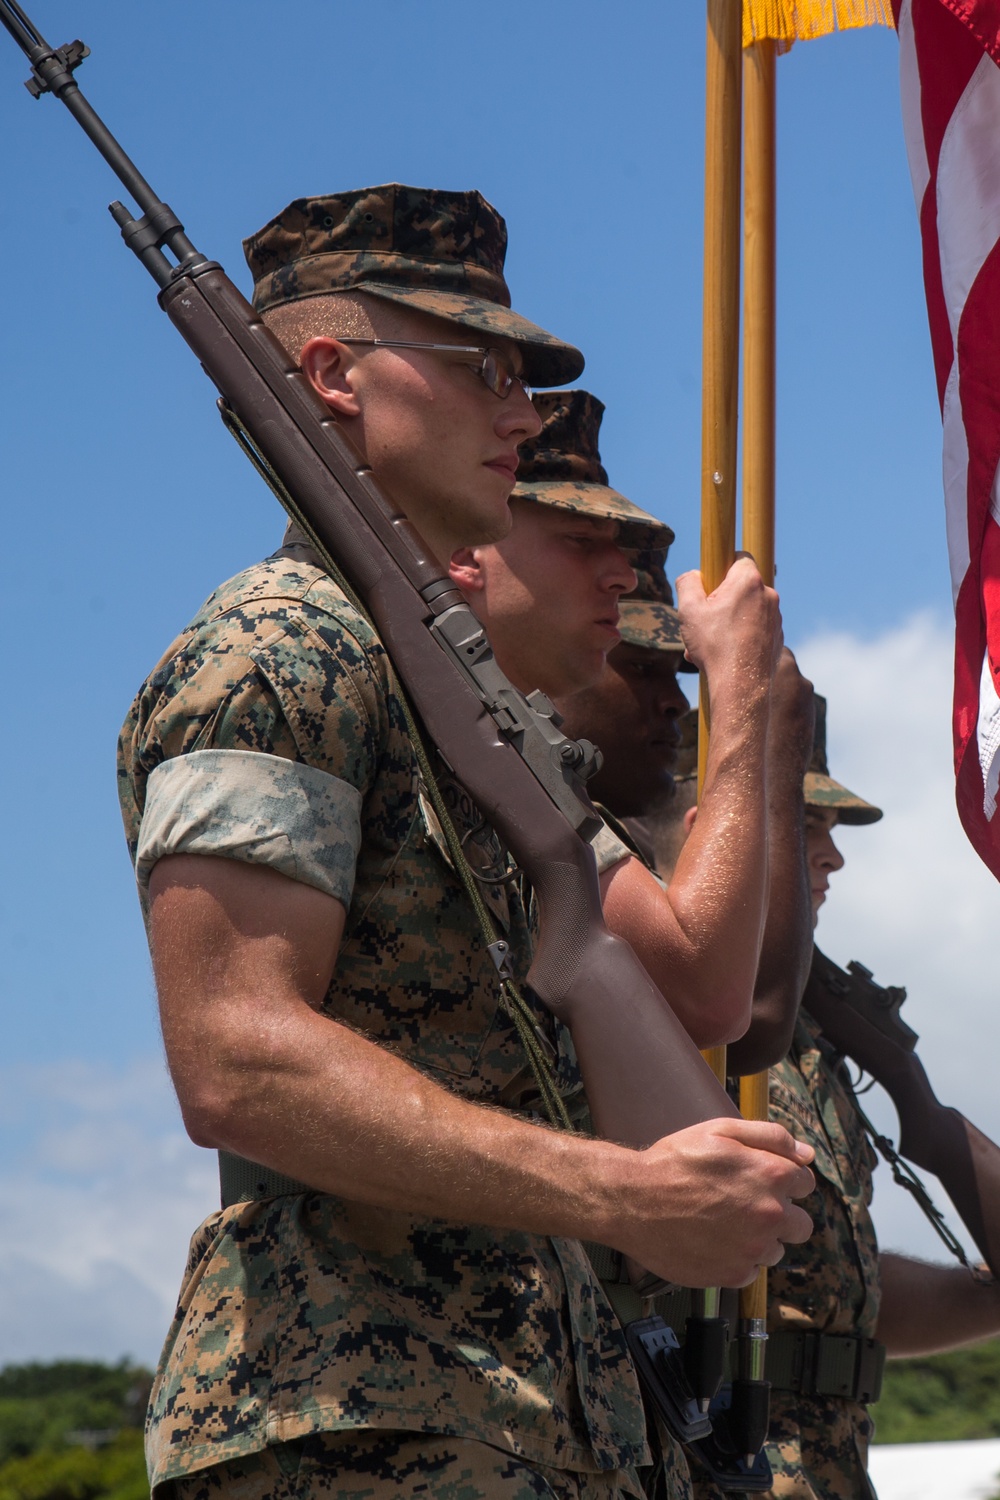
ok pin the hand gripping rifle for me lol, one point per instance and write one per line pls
(862, 1020)
(643, 1075)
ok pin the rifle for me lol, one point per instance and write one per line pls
(862, 1020)
(643, 1076)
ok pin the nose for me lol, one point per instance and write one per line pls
(825, 855)
(617, 574)
(670, 698)
(516, 418)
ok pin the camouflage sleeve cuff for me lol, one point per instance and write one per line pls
(609, 848)
(261, 809)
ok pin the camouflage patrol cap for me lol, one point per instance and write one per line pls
(562, 467)
(647, 616)
(820, 788)
(438, 252)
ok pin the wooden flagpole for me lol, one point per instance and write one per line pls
(720, 324)
(759, 205)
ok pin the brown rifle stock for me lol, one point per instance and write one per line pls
(861, 1019)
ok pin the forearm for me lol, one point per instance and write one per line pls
(718, 892)
(926, 1309)
(309, 1098)
(243, 959)
(699, 939)
(316, 1101)
(786, 947)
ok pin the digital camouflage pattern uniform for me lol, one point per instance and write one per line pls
(561, 467)
(818, 1445)
(271, 733)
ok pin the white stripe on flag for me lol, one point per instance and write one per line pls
(955, 474)
(968, 188)
(988, 737)
(909, 88)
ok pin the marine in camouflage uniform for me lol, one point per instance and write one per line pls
(319, 1344)
(561, 469)
(635, 701)
(823, 1297)
(818, 1443)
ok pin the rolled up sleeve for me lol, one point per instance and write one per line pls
(257, 808)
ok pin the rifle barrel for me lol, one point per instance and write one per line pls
(52, 73)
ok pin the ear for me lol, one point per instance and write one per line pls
(326, 364)
(466, 570)
(689, 820)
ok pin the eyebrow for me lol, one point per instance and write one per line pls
(594, 524)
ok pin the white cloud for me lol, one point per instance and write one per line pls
(914, 904)
(98, 1199)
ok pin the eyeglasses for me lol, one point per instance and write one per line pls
(495, 369)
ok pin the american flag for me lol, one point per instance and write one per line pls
(950, 85)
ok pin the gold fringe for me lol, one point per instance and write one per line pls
(787, 21)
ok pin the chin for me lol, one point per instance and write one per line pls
(493, 523)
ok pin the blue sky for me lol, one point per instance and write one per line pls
(127, 502)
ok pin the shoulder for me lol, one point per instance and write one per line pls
(287, 624)
(281, 593)
(276, 660)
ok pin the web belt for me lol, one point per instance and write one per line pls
(826, 1364)
(807, 1363)
(242, 1181)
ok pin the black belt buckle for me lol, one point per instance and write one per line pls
(659, 1364)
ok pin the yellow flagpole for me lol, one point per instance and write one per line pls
(759, 221)
(720, 324)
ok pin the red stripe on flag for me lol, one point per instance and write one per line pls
(981, 19)
(942, 344)
(945, 46)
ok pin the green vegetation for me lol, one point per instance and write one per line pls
(72, 1431)
(943, 1398)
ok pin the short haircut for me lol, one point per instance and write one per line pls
(356, 315)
